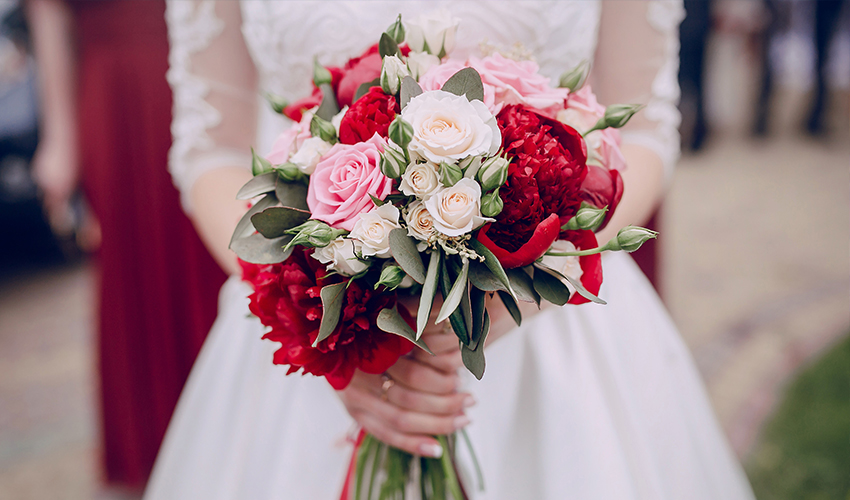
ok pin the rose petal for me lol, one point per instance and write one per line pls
(544, 235)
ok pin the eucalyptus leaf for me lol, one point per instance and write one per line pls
(429, 290)
(452, 300)
(465, 311)
(473, 359)
(481, 277)
(390, 321)
(409, 90)
(479, 306)
(404, 251)
(364, 88)
(332, 296)
(260, 184)
(550, 287)
(387, 46)
(492, 263)
(456, 318)
(257, 249)
(291, 194)
(465, 82)
(329, 107)
(512, 307)
(581, 290)
(244, 227)
(275, 221)
(522, 286)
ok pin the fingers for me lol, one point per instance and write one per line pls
(423, 378)
(448, 362)
(440, 341)
(447, 405)
(416, 445)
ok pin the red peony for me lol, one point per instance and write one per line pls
(591, 265)
(601, 188)
(546, 172)
(286, 298)
(371, 113)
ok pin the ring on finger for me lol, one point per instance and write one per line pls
(386, 384)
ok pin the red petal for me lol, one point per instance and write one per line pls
(602, 187)
(591, 265)
(544, 235)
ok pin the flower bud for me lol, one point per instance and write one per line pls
(323, 129)
(630, 238)
(400, 132)
(393, 162)
(278, 103)
(313, 233)
(259, 165)
(321, 75)
(392, 71)
(586, 218)
(396, 30)
(574, 79)
(493, 173)
(470, 166)
(618, 115)
(289, 172)
(391, 277)
(491, 204)
(450, 174)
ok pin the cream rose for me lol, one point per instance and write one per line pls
(568, 266)
(373, 230)
(341, 256)
(457, 210)
(435, 31)
(420, 180)
(309, 154)
(447, 127)
(420, 62)
(420, 223)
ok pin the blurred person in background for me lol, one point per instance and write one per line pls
(105, 116)
(828, 16)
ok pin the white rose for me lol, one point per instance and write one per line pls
(373, 228)
(568, 266)
(309, 154)
(337, 119)
(420, 180)
(420, 223)
(448, 127)
(420, 62)
(457, 210)
(341, 256)
(434, 32)
(392, 71)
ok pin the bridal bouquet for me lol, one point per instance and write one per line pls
(408, 172)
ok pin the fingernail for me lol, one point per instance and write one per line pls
(461, 422)
(468, 401)
(431, 450)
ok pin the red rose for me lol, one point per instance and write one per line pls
(286, 298)
(546, 171)
(371, 113)
(295, 111)
(591, 265)
(602, 187)
(358, 71)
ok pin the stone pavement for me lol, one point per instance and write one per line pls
(756, 274)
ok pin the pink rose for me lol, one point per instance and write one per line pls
(603, 146)
(437, 76)
(343, 180)
(518, 82)
(290, 141)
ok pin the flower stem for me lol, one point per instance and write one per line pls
(449, 470)
(579, 253)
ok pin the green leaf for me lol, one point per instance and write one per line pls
(473, 359)
(481, 277)
(478, 306)
(376, 201)
(512, 307)
(387, 46)
(275, 221)
(259, 165)
(332, 296)
(429, 290)
(465, 311)
(257, 249)
(549, 287)
(291, 194)
(581, 290)
(523, 286)
(466, 82)
(409, 90)
(244, 227)
(452, 300)
(456, 318)
(260, 184)
(329, 107)
(492, 263)
(404, 251)
(364, 88)
(390, 321)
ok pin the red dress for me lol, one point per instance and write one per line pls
(158, 284)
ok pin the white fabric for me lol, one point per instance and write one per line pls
(590, 402)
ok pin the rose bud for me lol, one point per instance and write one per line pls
(574, 79)
(259, 165)
(391, 277)
(630, 238)
(602, 188)
(341, 256)
(277, 102)
(493, 173)
(470, 166)
(290, 172)
(323, 129)
(392, 71)
(586, 218)
(393, 162)
(400, 132)
(321, 75)
(491, 204)
(450, 174)
(313, 233)
(396, 30)
(618, 115)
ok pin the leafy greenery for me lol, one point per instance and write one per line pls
(805, 448)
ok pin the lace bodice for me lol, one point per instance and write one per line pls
(224, 55)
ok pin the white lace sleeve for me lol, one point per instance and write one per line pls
(215, 86)
(637, 61)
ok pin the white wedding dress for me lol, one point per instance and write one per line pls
(582, 403)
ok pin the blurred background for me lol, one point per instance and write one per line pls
(752, 260)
